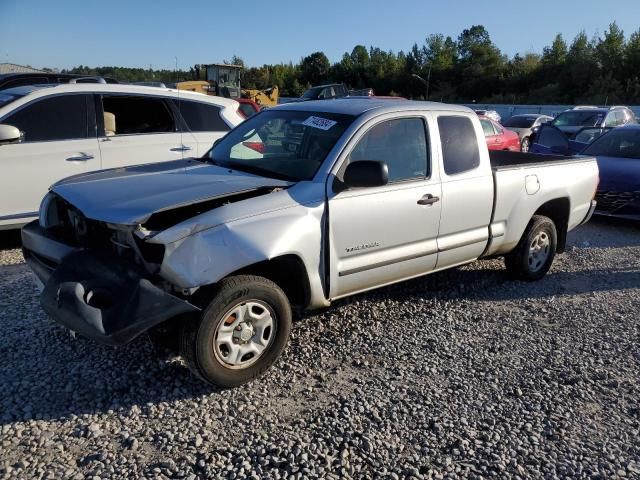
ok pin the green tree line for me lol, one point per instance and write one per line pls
(601, 69)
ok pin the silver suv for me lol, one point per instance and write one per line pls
(571, 121)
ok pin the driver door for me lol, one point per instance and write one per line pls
(380, 235)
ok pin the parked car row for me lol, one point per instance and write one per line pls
(611, 134)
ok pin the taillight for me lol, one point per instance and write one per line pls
(255, 146)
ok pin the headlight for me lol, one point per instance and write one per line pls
(47, 216)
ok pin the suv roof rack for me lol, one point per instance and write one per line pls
(88, 80)
(584, 107)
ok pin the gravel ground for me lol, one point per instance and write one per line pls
(461, 374)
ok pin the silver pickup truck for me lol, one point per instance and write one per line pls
(298, 206)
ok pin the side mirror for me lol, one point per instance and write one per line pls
(366, 173)
(9, 134)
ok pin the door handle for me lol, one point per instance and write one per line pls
(428, 199)
(80, 158)
(182, 148)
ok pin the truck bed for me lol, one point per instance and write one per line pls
(503, 159)
(523, 182)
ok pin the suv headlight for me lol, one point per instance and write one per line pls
(48, 214)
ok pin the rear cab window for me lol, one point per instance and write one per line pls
(460, 152)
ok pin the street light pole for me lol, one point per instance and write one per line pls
(428, 81)
(424, 82)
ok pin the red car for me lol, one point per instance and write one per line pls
(498, 137)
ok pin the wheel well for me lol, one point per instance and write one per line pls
(289, 273)
(558, 211)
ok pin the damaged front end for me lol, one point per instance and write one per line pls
(103, 280)
(100, 280)
(102, 298)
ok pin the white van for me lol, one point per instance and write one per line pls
(50, 132)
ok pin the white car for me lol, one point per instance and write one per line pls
(48, 133)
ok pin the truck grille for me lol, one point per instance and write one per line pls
(610, 202)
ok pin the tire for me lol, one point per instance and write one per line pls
(534, 254)
(240, 334)
(525, 144)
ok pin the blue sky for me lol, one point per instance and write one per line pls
(139, 33)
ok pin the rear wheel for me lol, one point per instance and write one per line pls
(241, 332)
(524, 145)
(534, 254)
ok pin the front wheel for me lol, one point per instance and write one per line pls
(241, 333)
(524, 146)
(534, 254)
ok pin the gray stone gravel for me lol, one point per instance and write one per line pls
(460, 374)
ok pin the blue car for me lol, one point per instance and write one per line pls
(618, 153)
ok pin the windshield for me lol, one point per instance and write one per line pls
(312, 92)
(6, 98)
(578, 119)
(520, 122)
(288, 145)
(621, 142)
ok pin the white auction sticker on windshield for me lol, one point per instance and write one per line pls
(319, 122)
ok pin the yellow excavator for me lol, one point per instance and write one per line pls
(224, 80)
(264, 98)
(198, 86)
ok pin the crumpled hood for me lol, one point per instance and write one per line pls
(130, 195)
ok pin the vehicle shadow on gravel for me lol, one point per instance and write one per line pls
(81, 377)
(487, 284)
(607, 232)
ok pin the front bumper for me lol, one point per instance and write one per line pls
(97, 295)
